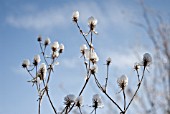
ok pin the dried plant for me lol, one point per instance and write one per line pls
(41, 77)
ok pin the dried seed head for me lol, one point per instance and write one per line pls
(75, 16)
(122, 81)
(147, 59)
(26, 63)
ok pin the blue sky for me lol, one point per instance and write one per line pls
(22, 21)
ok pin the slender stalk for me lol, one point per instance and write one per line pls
(138, 75)
(29, 72)
(107, 94)
(43, 52)
(39, 106)
(91, 37)
(84, 85)
(82, 34)
(80, 110)
(124, 95)
(136, 89)
(51, 102)
(107, 76)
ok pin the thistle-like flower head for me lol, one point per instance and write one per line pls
(83, 48)
(91, 55)
(136, 66)
(39, 39)
(26, 63)
(97, 101)
(75, 16)
(92, 22)
(94, 69)
(47, 41)
(54, 46)
(37, 59)
(108, 61)
(122, 81)
(147, 59)
(69, 99)
(42, 71)
(79, 101)
(55, 55)
(61, 48)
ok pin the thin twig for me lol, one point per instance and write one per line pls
(80, 110)
(124, 95)
(82, 33)
(107, 76)
(136, 89)
(107, 94)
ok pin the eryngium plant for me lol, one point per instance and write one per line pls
(43, 71)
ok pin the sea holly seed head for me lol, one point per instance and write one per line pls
(136, 66)
(26, 63)
(108, 61)
(147, 59)
(75, 16)
(55, 46)
(94, 69)
(61, 48)
(79, 101)
(42, 71)
(47, 41)
(92, 22)
(37, 59)
(97, 101)
(69, 99)
(83, 48)
(122, 81)
(39, 39)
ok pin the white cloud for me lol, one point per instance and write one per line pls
(107, 13)
(37, 21)
(71, 62)
(124, 59)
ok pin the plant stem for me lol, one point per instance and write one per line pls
(136, 89)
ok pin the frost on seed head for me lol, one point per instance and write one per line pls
(122, 81)
(75, 16)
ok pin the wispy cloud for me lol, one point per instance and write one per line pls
(107, 13)
(124, 59)
(71, 62)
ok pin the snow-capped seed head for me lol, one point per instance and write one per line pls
(79, 101)
(97, 101)
(91, 55)
(69, 99)
(42, 71)
(94, 58)
(136, 66)
(122, 81)
(147, 59)
(61, 47)
(55, 55)
(26, 63)
(47, 41)
(83, 48)
(37, 59)
(94, 69)
(55, 46)
(75, 16)
(108, 61)
(39, 39)
(92, 22)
